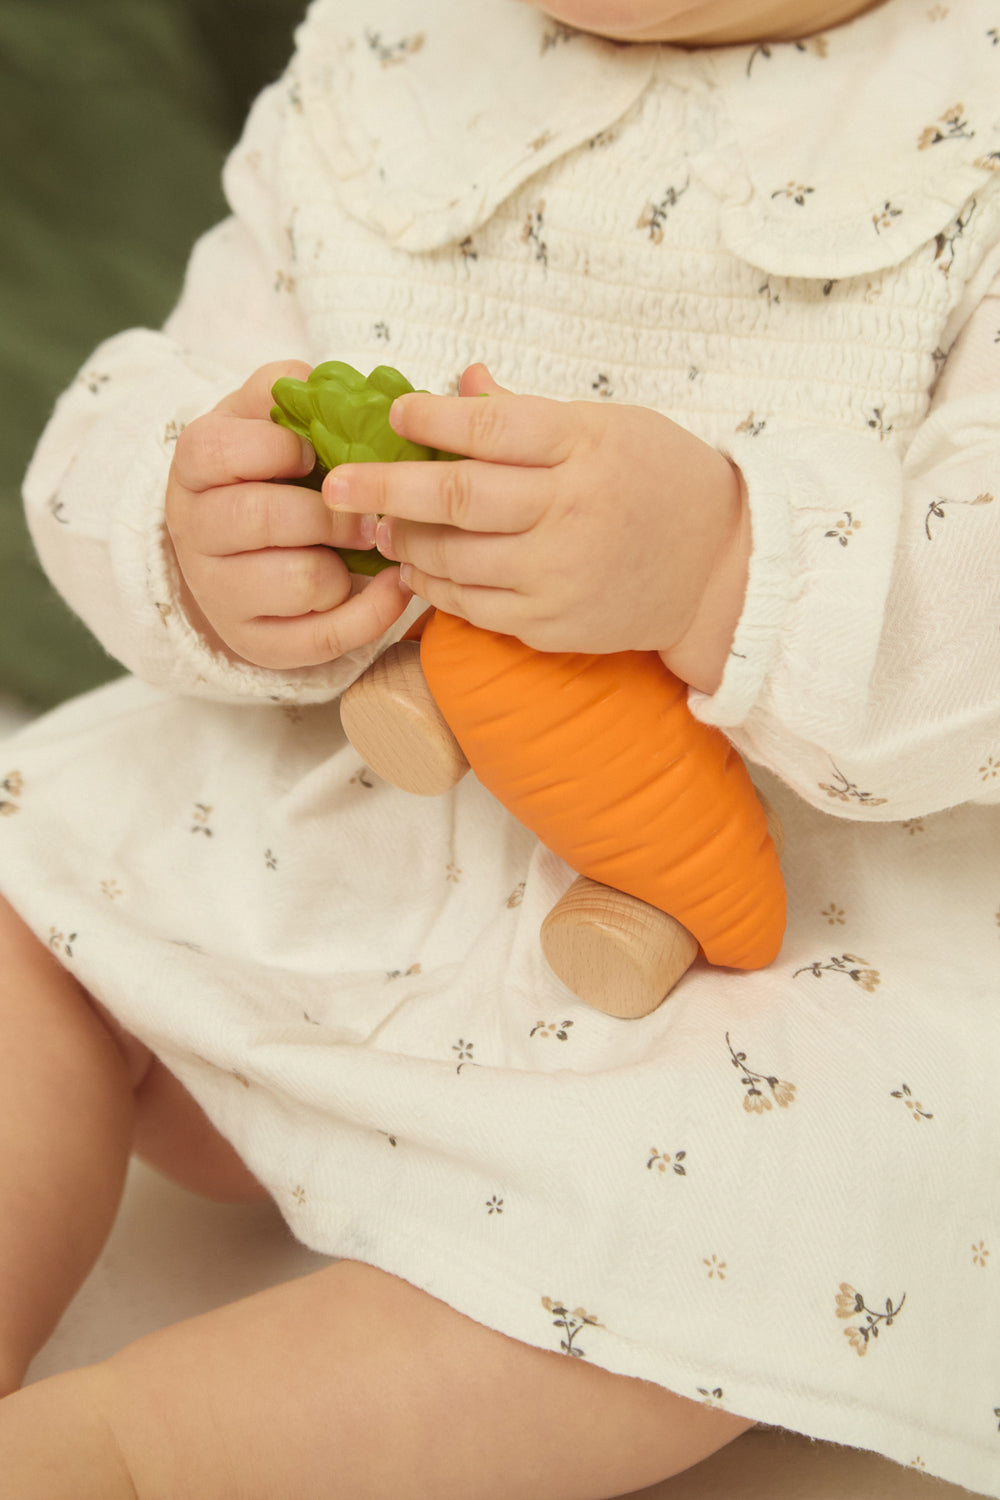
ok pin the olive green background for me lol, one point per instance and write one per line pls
(115, 119)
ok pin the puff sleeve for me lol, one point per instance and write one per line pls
(865, 670)
(94, 491)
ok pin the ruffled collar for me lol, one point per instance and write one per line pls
(432, 112)
(825, 160)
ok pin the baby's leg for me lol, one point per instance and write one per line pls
(77, 1095)
(346, 1385)
(66, 1118)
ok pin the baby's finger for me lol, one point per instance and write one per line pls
(443, 552)
(220, 448)
(254, 399)
(252, 517)
(495, 425)
(466, 494)
(283, 582)
(310, 640)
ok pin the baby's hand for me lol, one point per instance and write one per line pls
(577, 526)
(255, 555)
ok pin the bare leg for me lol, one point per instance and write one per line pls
(76, 1095)
(66, 1117)
(346, 1385)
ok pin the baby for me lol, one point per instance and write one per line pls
(748, 421)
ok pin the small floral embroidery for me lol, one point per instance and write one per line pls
(936, 509)
(381, 332)
(532, 234)
(994, 35)
(713, 1397)
(467, 249)
(61, 942)
(990, 162)
(464, 1052)
(111, 889)
(172, 432)
(390, 1138)
(661, 1160)
(850, 964)
(980, 1254)
(655, 215)
(834, 915)
(913, 825)
(403, 973)
(270, 859)
(516, 896)
(716, 1268)
(938, 13)
(851, 1303)
(845, 528)
(883, 217)
(558, 1029)
(363, 778)
(878, 424)
(796, 192)
(946, 241)
(767, 291)
(494, 1205)
(948, 127)
(94, 380)
(819, 46)
(200, 816)
(991, 770)
(299, 1194)
(755, 1101)
(556, 35)
(847, 791)
(601, 385)
(453, 872)
(13, 785)
(572, 1322)
(752, 426)
(917, 1463)
(390, 53)
(917, 1111)
(284, 281)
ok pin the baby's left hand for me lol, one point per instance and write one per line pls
(574, 526)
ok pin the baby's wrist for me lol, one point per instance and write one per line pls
(699, 658)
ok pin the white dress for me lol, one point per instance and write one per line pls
(778, 1193)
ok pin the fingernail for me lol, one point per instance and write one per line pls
(382, 537)
(396, 412)
(405, 574)
(308, 453)
(368, 526)
(337, 491)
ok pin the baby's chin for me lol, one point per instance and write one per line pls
(701, 22)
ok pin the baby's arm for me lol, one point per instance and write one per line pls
(95, 491)
(866, 669)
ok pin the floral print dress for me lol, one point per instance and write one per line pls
(778, 1193)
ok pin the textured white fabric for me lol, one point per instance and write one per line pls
(781, 247)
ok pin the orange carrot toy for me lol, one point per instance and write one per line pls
(600, 757)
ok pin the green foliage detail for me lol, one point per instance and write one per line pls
(345, 415)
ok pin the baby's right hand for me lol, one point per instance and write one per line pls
(260, 578)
